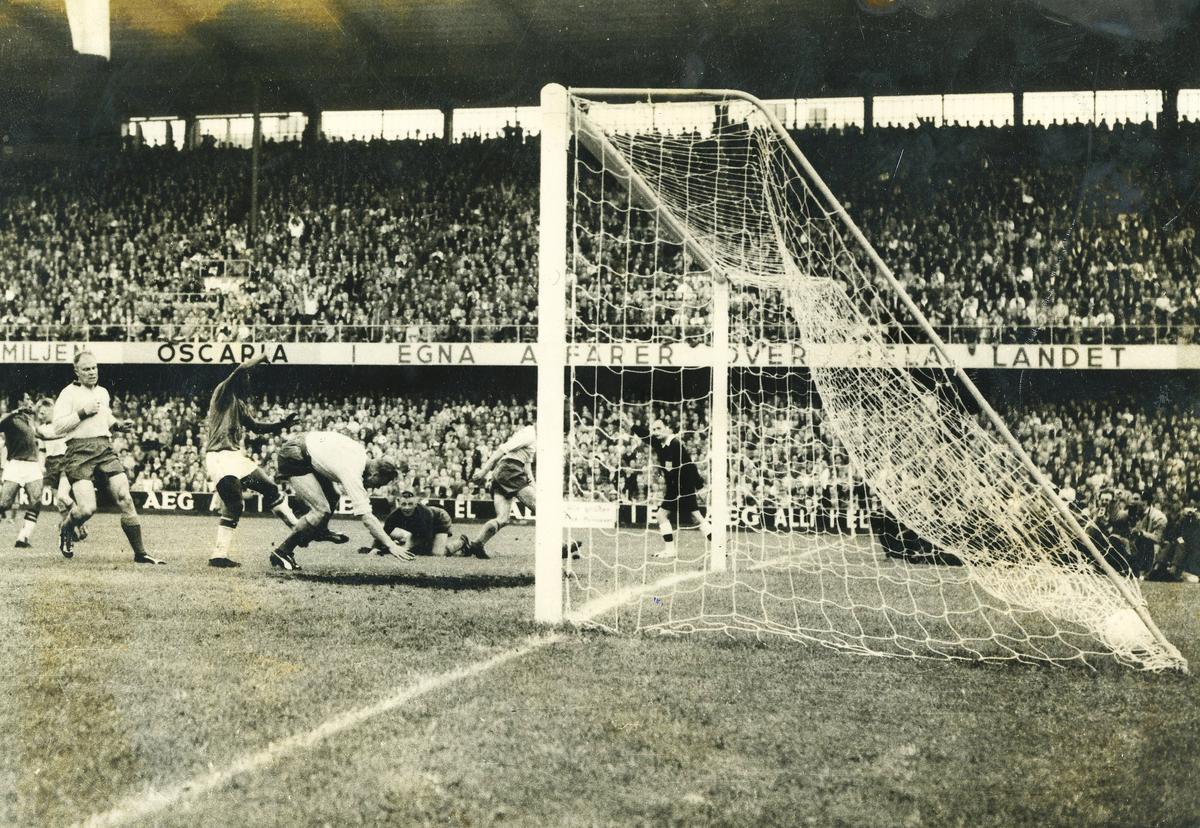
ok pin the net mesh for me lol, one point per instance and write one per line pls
(872, 507)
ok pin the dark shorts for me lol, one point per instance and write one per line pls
(681, 505)
(681, 499)
(293, 459)
(53, 470)
(509, 479)
(91, 457)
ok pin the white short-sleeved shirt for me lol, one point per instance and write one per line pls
(341, 459)
(522, 446)
(74, 397)
(54, 448)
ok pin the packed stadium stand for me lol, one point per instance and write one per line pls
(1059, 234)
(1086, 445)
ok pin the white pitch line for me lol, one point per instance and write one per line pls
(607, 603)
(154, 800)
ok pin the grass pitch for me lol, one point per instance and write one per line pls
(119, 681)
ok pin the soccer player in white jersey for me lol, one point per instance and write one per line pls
(83, 415)
(318, 464)
(511, 481)
(54, 477)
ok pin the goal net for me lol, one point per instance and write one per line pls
(714, 287)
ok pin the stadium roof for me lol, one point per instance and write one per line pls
(175, 56)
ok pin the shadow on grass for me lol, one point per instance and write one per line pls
(475, 582)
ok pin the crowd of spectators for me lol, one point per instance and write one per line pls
(783, 455)
(1067, 233)
(354, 241)
(437, 443)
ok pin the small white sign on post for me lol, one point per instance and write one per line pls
(590, 514)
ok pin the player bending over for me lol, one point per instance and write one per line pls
(423, 530)
(83, 415)
(21, 429)
(229, 468)
(683, 484)
(318, 463)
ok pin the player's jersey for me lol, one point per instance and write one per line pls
(423, 523)
(338, 458)
(676, 464)
(223, 428)
(74, 397)
(521, 447)
(20, 437)
(55, 448)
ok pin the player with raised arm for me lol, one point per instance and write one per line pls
(83, 415)
(424, 530)
(21, 429)
(229, 467)
(683, 485)
(318, 463)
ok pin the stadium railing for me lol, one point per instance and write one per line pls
(292, 332)
(217, 331)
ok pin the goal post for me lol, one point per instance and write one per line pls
(551, 357)
(695, 270)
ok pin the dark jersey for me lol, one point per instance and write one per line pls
(224, 429)
(423, 523)
(679, 471)
(20, 436)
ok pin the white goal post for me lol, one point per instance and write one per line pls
(853, 503)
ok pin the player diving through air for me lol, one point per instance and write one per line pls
(228, 466)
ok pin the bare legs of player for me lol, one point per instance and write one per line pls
(8, 497)
(668, 552)
(84, 493)
(315, 521)
(503, 505)
(503, 516)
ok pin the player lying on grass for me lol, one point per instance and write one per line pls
(21, 429)
(318, 464)
(683, 484)
(228, 466)
(511, 481)
(423, 530)
(83, 415)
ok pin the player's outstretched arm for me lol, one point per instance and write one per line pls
(288, 421)
(382, 541)
(248, 364)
